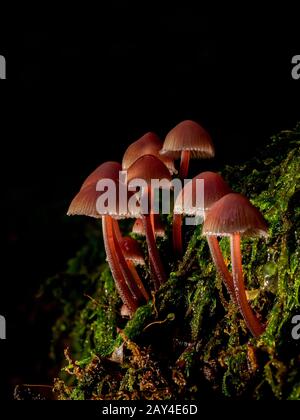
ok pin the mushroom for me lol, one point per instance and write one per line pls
(138, 227)
(186, 204)
(234, 216)
(148, 168)
(134, 256)
(132, 251)
(85, 203)
(187, 140)
(148, 144)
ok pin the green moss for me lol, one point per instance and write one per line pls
(190, 341)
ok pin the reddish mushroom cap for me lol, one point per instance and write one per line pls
(214, 188)
(234, 213)
(85, 202)
(138, 227)
(149, 144)
(188, 136)
(132, 251)
(148, 167)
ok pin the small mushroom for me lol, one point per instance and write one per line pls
(132, 251)
(234, 216)
(148, 144)
(138, 227)
(187, 140)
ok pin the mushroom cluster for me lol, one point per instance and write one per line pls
(223, 213)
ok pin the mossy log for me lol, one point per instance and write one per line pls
(190, 341)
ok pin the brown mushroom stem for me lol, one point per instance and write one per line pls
(250, 318)
(155, 260)
(177, 234)
(218, 260)
(117, 230)
(123, 289)
(152, 215)
(137, 279)
(135, 276)
(124, 266)
(184, 164)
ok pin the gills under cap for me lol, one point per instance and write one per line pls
(188, 136)
(234, 214)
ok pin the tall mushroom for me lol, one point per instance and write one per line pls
(85, 203)
(187, 140)
(187, 204)
(234, 216)
(138, 227)
(148, 168)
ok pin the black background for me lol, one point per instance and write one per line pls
(78, 92)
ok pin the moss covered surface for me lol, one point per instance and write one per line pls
(190, 341)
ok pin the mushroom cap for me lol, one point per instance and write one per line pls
(188, 136)
(85, 204)
(85, 201)
(214, 188)
(138, 227)
(132, 250)
(148, 167)
(108, 170)
(234, 213)
(148, 144)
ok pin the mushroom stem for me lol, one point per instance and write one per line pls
(218, 260)
(137, 280)
(250, 318)
(152, 215)
(155, 261)
(117, 230)
(124, 266)
(177, 234)
(123, 290)
(184, 164)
